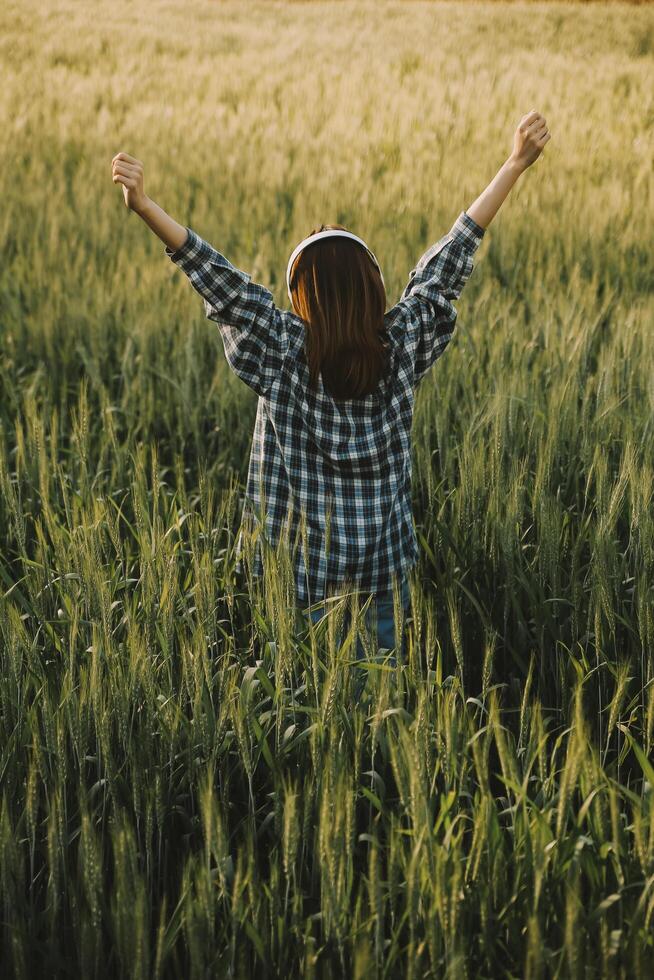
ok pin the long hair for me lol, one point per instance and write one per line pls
(337, 290)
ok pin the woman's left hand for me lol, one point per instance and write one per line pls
(128, 171)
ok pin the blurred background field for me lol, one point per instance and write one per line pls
(185, 786)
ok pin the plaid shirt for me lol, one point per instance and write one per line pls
(334, 475)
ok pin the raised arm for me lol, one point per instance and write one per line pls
(253, 330)
(528, 141)
(128, 171)
(429, 316)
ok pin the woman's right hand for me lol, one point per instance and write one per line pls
(530, 137)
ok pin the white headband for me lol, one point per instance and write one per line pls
(314, 238)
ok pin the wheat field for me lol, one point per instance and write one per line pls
(188, 787)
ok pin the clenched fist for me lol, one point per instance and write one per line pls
(530, 137)
(128, 171)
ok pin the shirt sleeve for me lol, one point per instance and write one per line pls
(437, 279)
(251, 326)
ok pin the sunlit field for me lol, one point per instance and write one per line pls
(188, 787)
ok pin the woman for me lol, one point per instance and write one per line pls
(330, 467)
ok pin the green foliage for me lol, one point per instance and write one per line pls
(189, 785)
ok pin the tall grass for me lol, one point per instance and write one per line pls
(188, 783)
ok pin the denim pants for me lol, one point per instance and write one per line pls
(382, 606)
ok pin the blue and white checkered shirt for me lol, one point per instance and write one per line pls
(335, 475)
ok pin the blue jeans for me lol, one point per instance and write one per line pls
(382, 605)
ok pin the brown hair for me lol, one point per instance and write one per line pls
(337, 290)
